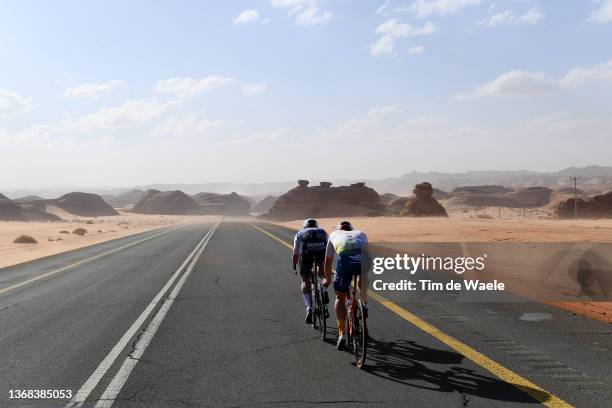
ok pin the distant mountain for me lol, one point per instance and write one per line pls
(593, 179)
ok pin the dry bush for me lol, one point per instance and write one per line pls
(64, 232)
(80, 231)
(25, 239)
(485, 216)
(89, 222)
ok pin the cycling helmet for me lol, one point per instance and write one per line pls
(345, 226)
(311, 223)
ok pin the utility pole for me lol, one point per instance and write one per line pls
(575, 180)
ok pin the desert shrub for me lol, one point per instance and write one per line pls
(80, 231)
(89, 222)
(485, 216)
(25, 239)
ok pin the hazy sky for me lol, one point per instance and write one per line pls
(119, 93)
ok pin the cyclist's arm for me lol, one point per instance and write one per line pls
(296, 251)
(329, 259)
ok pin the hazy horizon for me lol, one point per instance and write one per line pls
(128, 94)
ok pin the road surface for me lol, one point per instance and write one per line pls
(210, 315)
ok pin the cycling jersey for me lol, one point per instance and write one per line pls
(351, 250)
(309, 244)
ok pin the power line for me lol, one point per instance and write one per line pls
(575, 180)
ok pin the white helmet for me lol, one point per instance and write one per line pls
(345, 226)
(311, 223)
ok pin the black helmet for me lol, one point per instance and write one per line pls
(345, 226)
(311, 223)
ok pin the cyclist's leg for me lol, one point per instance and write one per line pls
(305, 270)
(342, 282)
(321, 272)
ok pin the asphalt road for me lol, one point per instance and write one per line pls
(211, 316)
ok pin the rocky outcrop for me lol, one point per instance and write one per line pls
(14, 211)
(83, 204)
(223, 204)
(326, 201)
(264, 205)
(499, 196)
(423, 204)
(167, 202)
(599, 206)
(126, 199)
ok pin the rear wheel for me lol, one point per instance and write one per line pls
(316, 298)
(359, 343)
(321, 309)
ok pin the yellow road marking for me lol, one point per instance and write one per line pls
(72, 265)
(509, 376)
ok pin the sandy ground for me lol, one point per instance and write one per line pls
(464, 227)
(56, 237)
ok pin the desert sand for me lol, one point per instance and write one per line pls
(463, 227)
(57, 237)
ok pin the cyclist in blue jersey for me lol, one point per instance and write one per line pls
(309, 251)
(350, 247)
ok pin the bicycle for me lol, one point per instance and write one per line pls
(357, 339)
(320, 312)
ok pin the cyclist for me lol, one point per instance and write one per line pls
(309, 250)
(351, 249)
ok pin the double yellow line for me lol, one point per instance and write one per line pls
(533, 390)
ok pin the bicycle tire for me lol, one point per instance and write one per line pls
(322, 319)
(360, 335)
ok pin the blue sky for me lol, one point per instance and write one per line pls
(101, 93)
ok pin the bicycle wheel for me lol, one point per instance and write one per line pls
(316, 299)
(321, 316)
(360, 335)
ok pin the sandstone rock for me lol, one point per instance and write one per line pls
(423, 204)
(83, 204)
(13, 211)
(326, 201)
(223, 204)
(599, 206)
(167, 202)
(263, 206)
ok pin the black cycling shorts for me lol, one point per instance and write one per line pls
(307, 263)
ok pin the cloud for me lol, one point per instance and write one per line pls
(247, 16)
(93, 91)
(426, 8)
(383, 7)
(12, 103)
(520, 83)
(509, 17)
(254, 89)
(393, 29)
(188, 87)
(603, 14)
(584, 76)
(129, 114)
(305, 12)
(186, 126)
(418, 49)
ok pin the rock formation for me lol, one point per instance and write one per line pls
(167, 202)
(423, 204)
(599, 206)
(14, 211)
(264, 205)
(83, 204)
(499, 196)
(326, 201)
(126, 199)
(223, 204)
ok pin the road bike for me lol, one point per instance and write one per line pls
(319, 310)
(357, 340)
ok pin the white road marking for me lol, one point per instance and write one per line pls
(93, 381)
(81, 262)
